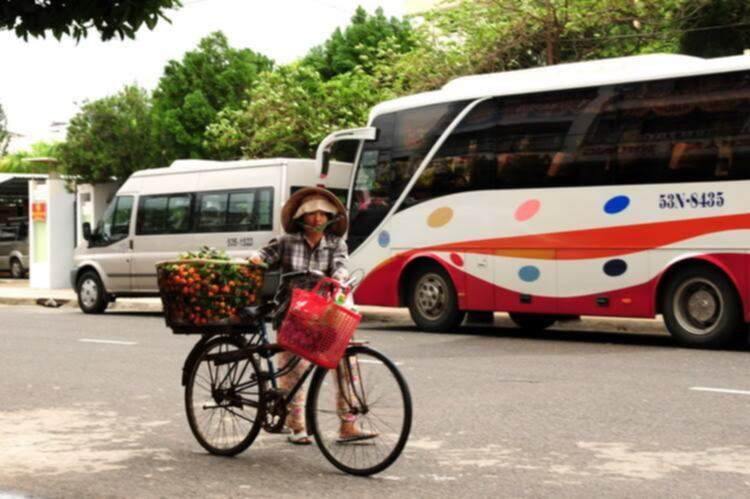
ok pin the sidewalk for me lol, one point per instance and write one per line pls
(17, 292)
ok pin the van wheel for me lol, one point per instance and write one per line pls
(92, 297)
(432, 300)
(532, 322)
(16, 269)
(701, 308)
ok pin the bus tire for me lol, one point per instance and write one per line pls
(432, 300)
(532, 322)
(92, 297)
(701, 308)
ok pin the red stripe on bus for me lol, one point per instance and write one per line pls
(588, 243)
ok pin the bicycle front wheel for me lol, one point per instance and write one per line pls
(223, 400)
(360, 413)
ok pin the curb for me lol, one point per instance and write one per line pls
(391, 316)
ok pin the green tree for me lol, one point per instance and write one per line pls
(110, 18)
(4, 133)
(110, 137)
(717, 28)
(291, 110)
(15, 162)
(192, 91)
(358, 45)
(482, 36)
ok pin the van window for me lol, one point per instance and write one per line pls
(164, 214)
(7, 234)
(235, 211)
(212, 212)
(115, 223)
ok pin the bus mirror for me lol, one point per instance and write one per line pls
(87, 231)
(323, 154)
(325, 164)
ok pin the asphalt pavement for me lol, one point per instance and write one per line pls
(93, 407)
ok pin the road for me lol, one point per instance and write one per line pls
(92, 407)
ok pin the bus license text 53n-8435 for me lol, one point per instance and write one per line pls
(691, 200)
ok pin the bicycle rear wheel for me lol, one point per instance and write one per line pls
(223, 401)
(368, 390)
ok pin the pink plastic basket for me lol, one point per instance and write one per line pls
(316, 328)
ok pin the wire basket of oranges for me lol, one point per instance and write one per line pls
(203, 295)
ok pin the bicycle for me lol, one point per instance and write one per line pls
(229, 398)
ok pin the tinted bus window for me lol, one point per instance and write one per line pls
(387, 164)
(678, 130)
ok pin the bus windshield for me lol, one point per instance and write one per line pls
(387, 164)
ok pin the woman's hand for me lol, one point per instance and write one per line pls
(255, 258)
(341, 275)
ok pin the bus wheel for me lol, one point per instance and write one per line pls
(91, 295)
(532, 322)
(701, 308)
(432, 300)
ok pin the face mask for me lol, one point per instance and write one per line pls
(321, 227)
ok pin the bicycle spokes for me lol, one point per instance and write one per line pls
(361, 412)
(223, 399)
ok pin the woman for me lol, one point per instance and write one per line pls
(314, 221)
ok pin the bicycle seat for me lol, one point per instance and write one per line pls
(257, 312)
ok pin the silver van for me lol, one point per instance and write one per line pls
(161, 212)
(14, 248)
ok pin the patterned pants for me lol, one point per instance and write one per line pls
(296, 417)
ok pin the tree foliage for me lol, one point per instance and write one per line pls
(111, 18)
(483, 36)
(358, 45)
(4, 132)
(717, 28)
(15, 162)
(192, 91)
(291, 110)
(110, 137)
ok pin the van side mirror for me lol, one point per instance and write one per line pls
(87, 231)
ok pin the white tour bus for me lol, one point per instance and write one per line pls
(616, 187)
(161, 212)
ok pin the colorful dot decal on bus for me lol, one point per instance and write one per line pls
(457, 260)
(527, 210)
(529, 273)
(616, 204)
(384, 239)
(614, 268)
(440, 217)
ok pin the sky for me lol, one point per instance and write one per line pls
(44, 81)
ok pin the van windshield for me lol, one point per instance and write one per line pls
(115, 223)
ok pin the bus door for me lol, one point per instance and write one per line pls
(478, 287)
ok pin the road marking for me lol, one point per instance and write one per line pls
(367, 361)
(719, 390)
(108, 342)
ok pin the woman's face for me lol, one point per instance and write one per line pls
(314, 219)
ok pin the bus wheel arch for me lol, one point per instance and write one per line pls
(427, 289)
(700, 303)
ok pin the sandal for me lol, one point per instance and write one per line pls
(299, 438)
(356, 437)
